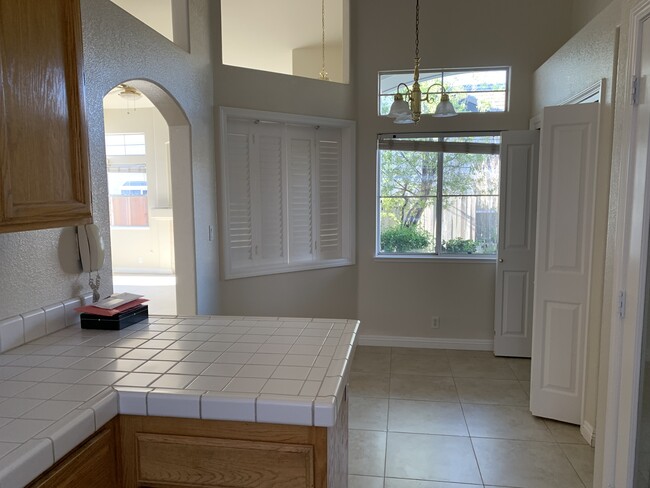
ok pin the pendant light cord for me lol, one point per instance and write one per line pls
(323, 74)
(417, 29)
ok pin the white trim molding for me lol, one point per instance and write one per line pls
(588, 433)
(427, 342)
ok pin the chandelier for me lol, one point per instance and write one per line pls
(409, 112)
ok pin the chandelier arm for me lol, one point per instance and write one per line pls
(427, 93)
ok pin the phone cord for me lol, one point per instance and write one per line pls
(94, 286)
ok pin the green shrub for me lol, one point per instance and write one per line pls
(404, 239)
(459, 246)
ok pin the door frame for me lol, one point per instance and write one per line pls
(629, 277)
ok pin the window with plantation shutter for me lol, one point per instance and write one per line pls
(300, 173)
(329, 192)
(287, 185)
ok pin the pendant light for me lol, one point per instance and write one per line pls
(409, 112)
(323, 73)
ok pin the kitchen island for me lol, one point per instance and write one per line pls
(186, 401)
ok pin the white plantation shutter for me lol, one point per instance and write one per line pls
(239, 214)
(300, 162)
(287, 195)
(270, 245)
(329, 192)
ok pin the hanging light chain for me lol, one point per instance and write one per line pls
(417, 29)
(323, 74)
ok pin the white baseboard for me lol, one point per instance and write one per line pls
(588, 432)
(427, 342)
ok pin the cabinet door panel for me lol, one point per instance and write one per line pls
(43, 143)
(172, 460)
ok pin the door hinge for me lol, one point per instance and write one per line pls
(621, 304)
(635, 90)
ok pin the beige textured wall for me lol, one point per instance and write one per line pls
(330, 292)
(398, 298)
(583, 11)
(38, 268)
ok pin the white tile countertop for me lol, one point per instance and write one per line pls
(55, 391)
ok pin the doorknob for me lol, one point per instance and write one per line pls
(500, 260)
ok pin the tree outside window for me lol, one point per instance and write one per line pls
(439, 202)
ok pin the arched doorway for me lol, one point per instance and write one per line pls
(150, 196)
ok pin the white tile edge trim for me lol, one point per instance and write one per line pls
(67, 315)
(427, 342)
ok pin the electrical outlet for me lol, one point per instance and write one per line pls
(435, 322)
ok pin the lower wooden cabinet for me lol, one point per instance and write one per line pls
(164, 452)
(157, 452)
(93, 464)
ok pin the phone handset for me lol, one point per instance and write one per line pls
(91, 253)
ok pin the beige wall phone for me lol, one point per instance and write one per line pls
(91, 253)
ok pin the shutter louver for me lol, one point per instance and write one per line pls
(271, 246)
(240, 224)
(300, 193)
(329, 188)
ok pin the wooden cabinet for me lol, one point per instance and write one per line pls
(159, 452)
(94, 463)
(44, 175)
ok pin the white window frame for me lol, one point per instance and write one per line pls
(348, 136)
(431, 256)
(425, 74)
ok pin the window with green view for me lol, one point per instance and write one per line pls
(438, 195)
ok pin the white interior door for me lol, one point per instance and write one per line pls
(516, 255)
(565, 214)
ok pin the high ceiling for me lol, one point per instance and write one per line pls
(262, 34)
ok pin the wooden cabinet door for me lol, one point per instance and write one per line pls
(43, 142)
(93, 464)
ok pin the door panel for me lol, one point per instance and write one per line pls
(515, 266)
(567, 179)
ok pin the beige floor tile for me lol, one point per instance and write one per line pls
(365, 482)
(431, 457)
(582, 459)
(419, 351)
(565, 433)
(402, 483)
(371, 362)
(495, 392)
(505, 422)
(419, 387)
(525, 385)
(420, 417)
(366, 452)
(369, 384)
(368, 413)
(521, 368)
(423, 364)
(524, 464)
(463, 354)
(481, 367)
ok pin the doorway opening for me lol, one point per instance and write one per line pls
(148, 163)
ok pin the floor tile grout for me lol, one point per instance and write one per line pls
(389, 376)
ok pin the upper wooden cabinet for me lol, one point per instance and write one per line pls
(44, 180)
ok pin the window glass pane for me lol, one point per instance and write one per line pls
(131, 139)
(483, 90)
(470, 225)
(128, 204)
(115, 140)
(139, 150)
(115, 150)
(408, 185)
(408, 195)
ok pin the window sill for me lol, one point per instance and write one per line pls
(292, 268)
(491, 259)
